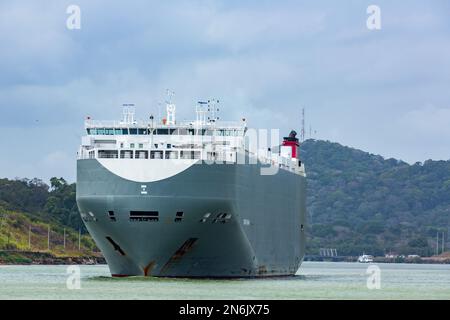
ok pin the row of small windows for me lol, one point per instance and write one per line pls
(144, 154)
(133, 145)
(141, 145)
(144, 131)
(142, 216)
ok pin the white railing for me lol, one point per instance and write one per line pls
(114, 124)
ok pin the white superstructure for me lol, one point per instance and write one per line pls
(126, 147)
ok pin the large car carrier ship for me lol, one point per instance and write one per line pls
(191, 199)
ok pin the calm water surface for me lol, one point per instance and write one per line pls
(315, 280)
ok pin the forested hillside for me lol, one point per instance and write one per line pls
(359, 202)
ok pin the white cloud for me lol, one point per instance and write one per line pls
(274, 26)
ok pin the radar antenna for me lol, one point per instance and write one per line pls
(128, 112)
(213, 110)
(201, 113)
(170, 108)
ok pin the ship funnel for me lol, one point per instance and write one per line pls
(292, 142)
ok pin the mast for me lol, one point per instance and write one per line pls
(170, 108)
(128, 113)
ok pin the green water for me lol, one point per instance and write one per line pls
(315, 280)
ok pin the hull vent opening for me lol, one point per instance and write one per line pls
(111, 216)
(205, 217)
(142, 216)
(179, 216)
(222, 218)
(115, 246)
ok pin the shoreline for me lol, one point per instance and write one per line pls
(415, 260)
(46, 258)
(15, 257)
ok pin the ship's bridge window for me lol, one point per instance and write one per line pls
(207, 132)
(102, 131)
(108, 154)
(171, 155)
(182, 132)
(123, 131)
(126, 154)
(190, 154)
(142, 131)
(142, 154)
(226, 133)
(173, 131)
(162, 131)
(133, 131)
(156, 154)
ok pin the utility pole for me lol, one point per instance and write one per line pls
(64, 239)
(79, 239)
(29, 237)
(302, 134)
(437, 243)
(48, 238)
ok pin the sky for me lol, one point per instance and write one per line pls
(384, 91)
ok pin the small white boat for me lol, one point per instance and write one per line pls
(365, 258)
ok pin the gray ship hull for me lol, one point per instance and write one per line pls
(256, 226)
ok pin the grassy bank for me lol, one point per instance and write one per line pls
(26, 239)
(46, 258)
